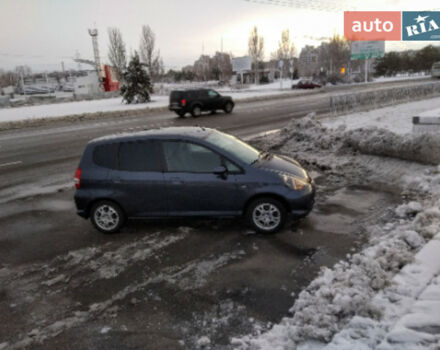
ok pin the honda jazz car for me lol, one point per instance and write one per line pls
(188, 172)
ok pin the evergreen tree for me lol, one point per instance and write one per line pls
(137, 83)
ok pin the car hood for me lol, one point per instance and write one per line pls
(284, 166)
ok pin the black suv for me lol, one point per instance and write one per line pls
(196, 101)
(188, 172)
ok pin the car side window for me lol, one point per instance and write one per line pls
(139, 156)
(106, 155)
(189, 157)
(212, 94)
(202, 94)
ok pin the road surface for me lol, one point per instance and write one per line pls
(157, 284)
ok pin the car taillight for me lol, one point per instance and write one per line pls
(183, 102)
(77, 178)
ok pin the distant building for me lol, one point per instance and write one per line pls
(308, 61)
(110, 81)
(7, 90)
(88, 84)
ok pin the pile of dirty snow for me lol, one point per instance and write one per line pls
(421, 148)
(344, 294)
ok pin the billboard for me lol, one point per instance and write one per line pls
(241, 64)
(361, 50)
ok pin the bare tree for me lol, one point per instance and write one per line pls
(117, 51)
(149, 56)
(203, 68)
(286, 50)
(256, 50)
(222, 66)
(8, 78)
(23, 70)
(335, 54)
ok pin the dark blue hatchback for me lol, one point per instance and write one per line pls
(188, 172)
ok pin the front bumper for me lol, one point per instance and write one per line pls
(301, 205)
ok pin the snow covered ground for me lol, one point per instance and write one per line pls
(388, 295)
(70, 108)
(401, 77)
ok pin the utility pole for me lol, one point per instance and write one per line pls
(366, 70)
(22, 83)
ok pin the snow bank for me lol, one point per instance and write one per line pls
(306, 134)
(423, 148)
(340, 293)
(345, 293)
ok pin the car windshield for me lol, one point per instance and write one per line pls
(241, 150)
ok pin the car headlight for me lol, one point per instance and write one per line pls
(294, 183)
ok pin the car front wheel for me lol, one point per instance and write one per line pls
(107, 217)
(266, 215)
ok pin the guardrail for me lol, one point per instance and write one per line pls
(423, 125)
(382, 97)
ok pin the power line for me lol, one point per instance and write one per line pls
(317, 5)
(323, 5)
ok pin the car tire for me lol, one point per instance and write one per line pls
(107, 217)
(266, 215)
(196, 111)
(229, 106)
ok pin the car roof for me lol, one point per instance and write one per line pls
(170, 132)
(190, 89)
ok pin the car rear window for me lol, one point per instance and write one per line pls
(175, 95)
(139, 156)
(106, 156)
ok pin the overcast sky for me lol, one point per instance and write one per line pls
(42, 33)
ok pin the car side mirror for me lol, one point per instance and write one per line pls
(220, 171)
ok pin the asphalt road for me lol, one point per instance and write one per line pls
(165, 284)
(35, 158)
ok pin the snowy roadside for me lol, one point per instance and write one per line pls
(159, 102)
(368, 301)
(59, 110)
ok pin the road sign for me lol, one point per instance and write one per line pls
(241, 64)
(361, 50)
(280, 64)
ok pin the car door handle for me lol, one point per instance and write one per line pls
(176, 181)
